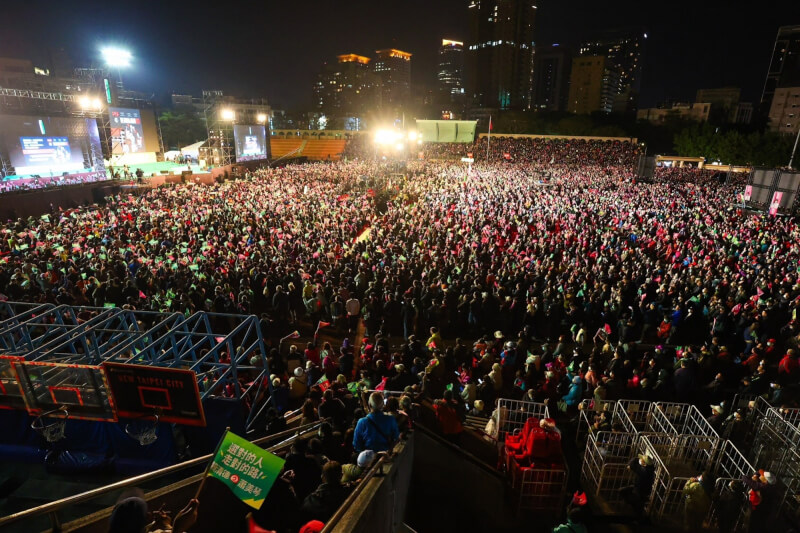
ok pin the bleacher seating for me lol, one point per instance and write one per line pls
(281, 147)
(324, 149)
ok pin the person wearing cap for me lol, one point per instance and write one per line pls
(765, 498)
(298, 384)
(717, 417)
(638, 493)
(376, 431)
(353, 472)
(697, 500)
(478, 407)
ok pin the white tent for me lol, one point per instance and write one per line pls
(192, 150)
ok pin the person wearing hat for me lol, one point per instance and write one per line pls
(298, 384)
(717, 417)
(478, 407)
(697, 500)
(637, 494)
(765, 500)
(353, 472)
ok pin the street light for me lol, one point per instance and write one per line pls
(116, 57)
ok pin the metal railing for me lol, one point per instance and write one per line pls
(52, 508)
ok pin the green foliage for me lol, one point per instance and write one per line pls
(180, 128)
(758, 149)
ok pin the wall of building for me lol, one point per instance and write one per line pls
(784, 113)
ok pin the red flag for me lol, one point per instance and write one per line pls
(490, 123)
(252, 527)
(323, 324)
(294, 335)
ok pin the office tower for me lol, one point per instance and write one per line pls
(500, 53)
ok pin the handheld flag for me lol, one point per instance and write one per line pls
(245, 468)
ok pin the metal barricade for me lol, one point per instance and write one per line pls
(512, 415)
(686, 419)
(605, 464)
(541, 487)
(588, 409)
(678, 458)
(638, 412)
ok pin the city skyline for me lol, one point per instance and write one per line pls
(275, 51)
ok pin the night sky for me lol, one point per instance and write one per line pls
(275, 48)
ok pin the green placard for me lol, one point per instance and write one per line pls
(248, 470)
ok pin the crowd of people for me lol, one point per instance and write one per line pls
(463, 288)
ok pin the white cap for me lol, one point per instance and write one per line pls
(365, 458)
(298, 371)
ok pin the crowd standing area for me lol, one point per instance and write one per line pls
(555, 279)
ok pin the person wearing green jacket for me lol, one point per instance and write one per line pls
(697, 500)
(574, 523)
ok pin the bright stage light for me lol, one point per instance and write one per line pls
(261, 117)
(96, 103)
(399, 147)
(227, 114)
(84, 102)
(384, 136)
(412, 135)
(116, 57)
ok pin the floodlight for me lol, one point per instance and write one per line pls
(84, 102)
(116, 57)
(412, 135)
(227, 114)
(383, 137)
(261, 117)
(399, 147)
(96, 103)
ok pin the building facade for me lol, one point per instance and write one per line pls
(450, 76)
(551, 70)
(500, 53)
(393, 67)
(593, 85)
(725, 105)
(347, 87)
(698, 112)
(784, 113)
(784, 66)
(624, 52)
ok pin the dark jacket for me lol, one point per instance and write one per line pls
(323, 502)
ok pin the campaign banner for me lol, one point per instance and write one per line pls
(748, 192)
(248, 470)
(775, 203)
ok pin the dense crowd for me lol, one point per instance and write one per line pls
(469, 288)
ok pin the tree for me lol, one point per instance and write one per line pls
(181, 128)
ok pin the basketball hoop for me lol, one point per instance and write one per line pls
(143, 432)
(55, 431)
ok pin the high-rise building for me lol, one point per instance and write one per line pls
(624, 51)
(551, 69)
(593, 85)
(784, 112)
(451, 73)
(725, 105)
(393, 67)
(500, 53)
(784, 67)
(347, 87)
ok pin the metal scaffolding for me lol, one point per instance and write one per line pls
(226, 352)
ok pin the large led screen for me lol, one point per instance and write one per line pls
(50, 146)
(127, 135)
(251, 142)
